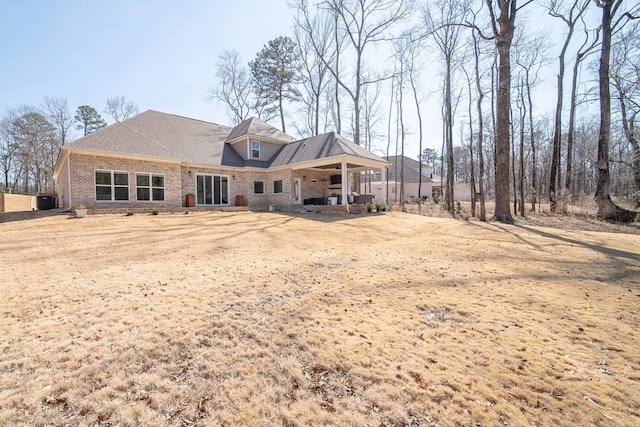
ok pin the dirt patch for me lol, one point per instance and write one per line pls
(316, 319)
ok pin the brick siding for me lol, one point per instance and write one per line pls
(180, 180)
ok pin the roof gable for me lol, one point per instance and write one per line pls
(320, 147)
(257, 128)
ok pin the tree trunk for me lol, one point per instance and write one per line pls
(504, 38)
(449, 139)
(636, 171)
(483, 212)
(281, 110)
(472, 182)
(606, 208)
(534, 187)
(554, 173)
(628, 126)
(513, 167)
(415, 97)
(571, 132)
(337, 77)
(521, 165)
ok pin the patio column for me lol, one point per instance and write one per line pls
(345, 183)
(383, 174)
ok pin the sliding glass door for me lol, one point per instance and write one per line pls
(212, 190)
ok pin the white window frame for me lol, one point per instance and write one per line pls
(251, 149)
(112, 185)
(151, 187)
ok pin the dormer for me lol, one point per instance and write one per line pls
(255, 140)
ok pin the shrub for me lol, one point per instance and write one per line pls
(130, 212)
(430, 202)
(369, 207)
(155, 211)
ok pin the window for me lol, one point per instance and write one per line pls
(277, 186)
(112, 186)
(255, 149)
(149, 187)
(212, 190)
(258, 187)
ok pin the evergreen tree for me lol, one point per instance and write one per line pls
(89, 119)
(274, 71)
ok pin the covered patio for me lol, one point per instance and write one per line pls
(326, 170)
(335, 181)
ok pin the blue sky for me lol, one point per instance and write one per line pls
(159, 54)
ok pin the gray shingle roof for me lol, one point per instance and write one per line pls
(160, 135)
(256, 127)
(166, 136)
(320, 147)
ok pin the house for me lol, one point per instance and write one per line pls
(376, 184)
(159, 160)
(430, 185)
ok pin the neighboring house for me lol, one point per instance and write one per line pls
(162, 160)
(430, 184)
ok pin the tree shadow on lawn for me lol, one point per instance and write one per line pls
(29, 215)
(616, 253)
(624, 258)
(326, 217)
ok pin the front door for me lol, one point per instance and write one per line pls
(297, 192)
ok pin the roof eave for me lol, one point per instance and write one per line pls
(361, 161)
(120, 155)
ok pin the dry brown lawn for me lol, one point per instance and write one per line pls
(263, 319)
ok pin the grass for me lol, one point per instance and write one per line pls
(269, 319)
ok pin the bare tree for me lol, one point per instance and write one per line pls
(314, 43)
(570, 17)
(522, 116)
(530, 58)
(503, 16)
(120, 109)
(472, 181)
(475, 37)
(625, 76)
(35, 143)
(364, 24)
(7, 150)
(234, 87)
(401, 52)
(611, 9)
(444, 24)
(327, 49)
(413, 73)
(59, 114)
(371, 114)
